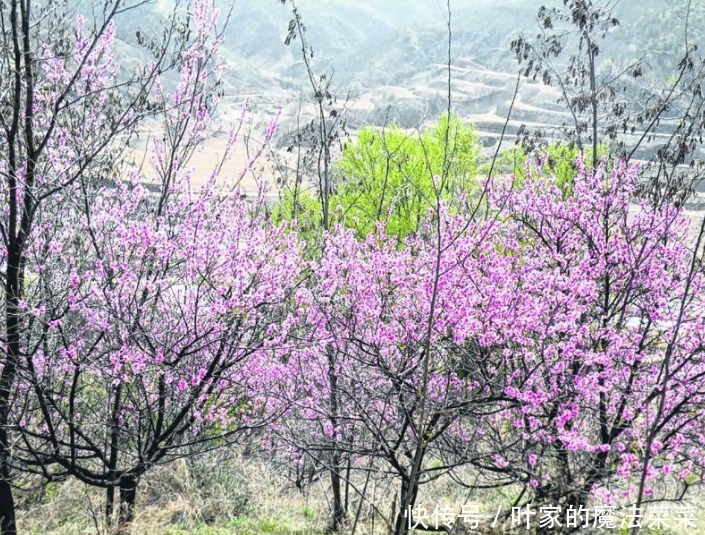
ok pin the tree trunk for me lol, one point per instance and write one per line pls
(112, 459)
(13, 287)
(339, 512)
(401, 526)
(109, 505)
(7, 507)
(128, 494)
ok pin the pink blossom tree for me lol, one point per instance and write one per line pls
(402, 384)
(65, 114)
(596, 318)
(139, 326)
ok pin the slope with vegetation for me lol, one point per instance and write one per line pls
(409, 321)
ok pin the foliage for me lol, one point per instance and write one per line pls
(559, 160)
(586, 367)
(388, 176)
(304, 208)
(605, 103)
(561, 357)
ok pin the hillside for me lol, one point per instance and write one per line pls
(390, 58)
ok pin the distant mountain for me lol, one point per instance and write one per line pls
(391, 55)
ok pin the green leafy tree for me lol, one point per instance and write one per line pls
(388, 176)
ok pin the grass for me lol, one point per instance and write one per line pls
(203, 497)
(232, 495)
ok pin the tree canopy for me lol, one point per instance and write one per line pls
(387, 176)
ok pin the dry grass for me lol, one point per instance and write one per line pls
(231, 494)
(202, 497)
